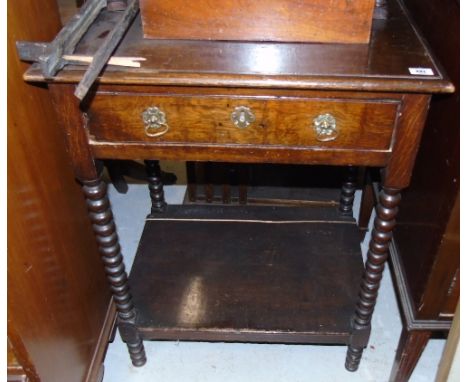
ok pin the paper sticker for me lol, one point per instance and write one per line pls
(421, 71)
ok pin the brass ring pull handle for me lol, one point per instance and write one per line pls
(155, 122)
(325, 128)
(242, 117)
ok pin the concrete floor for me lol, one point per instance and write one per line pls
(209, 362)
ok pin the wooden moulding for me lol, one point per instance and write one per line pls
(332, 21)
(257, 274)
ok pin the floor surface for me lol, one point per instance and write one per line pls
(228, 362)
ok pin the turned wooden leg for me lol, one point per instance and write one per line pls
(208, 179)
(191, 182)
(243, 176)
(100, 214)
(155, 185)
(410, 348)
(384, 223)
(348, 190)
(367, 205)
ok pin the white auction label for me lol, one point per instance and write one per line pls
(421, 71)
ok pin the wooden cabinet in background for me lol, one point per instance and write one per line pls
(58, 300)
(427, 259)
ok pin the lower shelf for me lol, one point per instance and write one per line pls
(247, 274)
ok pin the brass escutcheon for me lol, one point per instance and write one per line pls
(325, 127)
(155, 122)
(242, 116)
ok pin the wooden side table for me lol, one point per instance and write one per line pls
(270, 274)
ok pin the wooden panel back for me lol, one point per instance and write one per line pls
(335, 21)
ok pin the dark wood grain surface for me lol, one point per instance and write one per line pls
(268, 274)
(333, 21)
(381, 65)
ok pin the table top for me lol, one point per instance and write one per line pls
(382, 65)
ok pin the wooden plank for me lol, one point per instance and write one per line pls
(233, 273)
(333, 21)
(131, 62)
(32, 51)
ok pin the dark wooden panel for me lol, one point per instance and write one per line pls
(57, 294)
(430, 200)
(361, 124)
(333, 21)
(381, 65)
(247, 274)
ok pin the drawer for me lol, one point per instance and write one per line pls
(273, 121)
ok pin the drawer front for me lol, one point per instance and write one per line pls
(290, 122)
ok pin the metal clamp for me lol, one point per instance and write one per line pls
(52, 56)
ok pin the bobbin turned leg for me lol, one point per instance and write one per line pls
(155, 185)
(384, 223)
(100, 214)
(348, 190)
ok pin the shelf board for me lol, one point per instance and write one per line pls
(247, 274)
